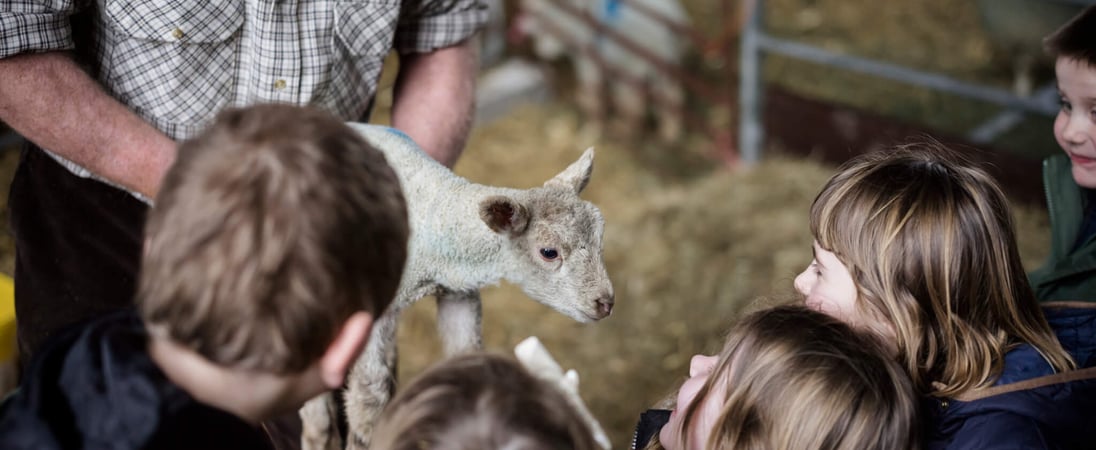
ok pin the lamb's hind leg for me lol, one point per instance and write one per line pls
(459, 321)
(319, 430)
(371, 382)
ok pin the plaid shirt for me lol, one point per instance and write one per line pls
(177, 62)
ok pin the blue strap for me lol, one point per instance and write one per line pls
(609, 15)
(612, 11)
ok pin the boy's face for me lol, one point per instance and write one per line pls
(1075, 125)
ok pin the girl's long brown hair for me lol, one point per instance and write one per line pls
(481, 401)
(929, 240)
(797, 378)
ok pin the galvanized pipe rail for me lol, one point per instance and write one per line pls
(755, 42)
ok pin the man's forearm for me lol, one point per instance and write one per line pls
(51, 102)
(434, 99)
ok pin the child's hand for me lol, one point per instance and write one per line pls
(540, 363)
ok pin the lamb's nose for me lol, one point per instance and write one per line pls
(605, 306)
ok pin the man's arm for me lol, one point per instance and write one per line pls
(48, 99)
(434, 98)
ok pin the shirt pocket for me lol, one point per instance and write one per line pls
(366, 28)
(363, 36)
(174, 64)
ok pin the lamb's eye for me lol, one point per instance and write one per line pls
(549, 254)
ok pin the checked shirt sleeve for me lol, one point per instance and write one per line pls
(428, 25)
(34, 26)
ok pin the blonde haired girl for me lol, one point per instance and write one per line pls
(789, 378)
(481, 401)
(917, 245)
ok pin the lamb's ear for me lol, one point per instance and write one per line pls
(504, 215)
(577, 175)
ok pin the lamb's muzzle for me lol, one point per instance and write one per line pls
(604, 305)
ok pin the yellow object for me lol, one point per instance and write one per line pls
(7, 319)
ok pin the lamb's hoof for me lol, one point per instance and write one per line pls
(357, 442)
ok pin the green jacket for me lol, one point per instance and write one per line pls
(1066, 275)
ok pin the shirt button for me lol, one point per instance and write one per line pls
(177, 33)
(279, 84)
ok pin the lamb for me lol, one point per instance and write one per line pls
(600, 59)
(465, 236)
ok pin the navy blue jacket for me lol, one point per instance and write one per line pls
(97, 388)
(650, 424)
(1030, 407)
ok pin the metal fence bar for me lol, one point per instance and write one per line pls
(755, 42)
(1006, 120)
(898, 73)
(750, 94)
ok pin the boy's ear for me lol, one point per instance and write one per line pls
(345, 349)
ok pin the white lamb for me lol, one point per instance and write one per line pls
(465, 236)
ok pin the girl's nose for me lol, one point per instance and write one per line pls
(800, 282)
(701, 364)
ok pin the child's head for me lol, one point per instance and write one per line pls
(274, 226)
(921, 248)
(481, 401)
(792, 377)
(1074, 49)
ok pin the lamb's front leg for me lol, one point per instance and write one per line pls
(459, 321)
(371, 382)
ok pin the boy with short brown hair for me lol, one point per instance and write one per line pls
(1070, 179)
(277, 238)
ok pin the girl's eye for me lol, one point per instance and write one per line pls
(1066, 107)
(549, 254)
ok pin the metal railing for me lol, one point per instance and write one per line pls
(755, 42)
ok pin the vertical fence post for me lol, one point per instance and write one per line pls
(750, 137)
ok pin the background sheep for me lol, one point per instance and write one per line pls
(634, 82)
(465, 236)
